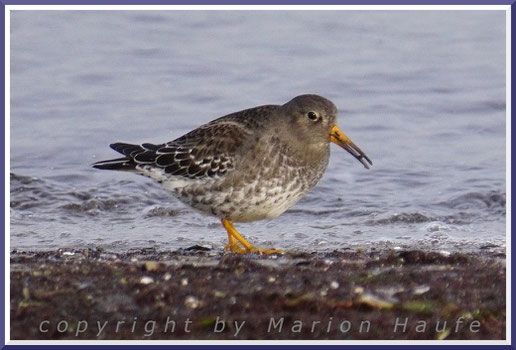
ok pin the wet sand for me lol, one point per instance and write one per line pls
(199, 293)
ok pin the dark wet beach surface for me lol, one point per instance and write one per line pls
(421, 92)
(347, 295)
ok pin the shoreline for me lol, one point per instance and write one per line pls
(198, 293)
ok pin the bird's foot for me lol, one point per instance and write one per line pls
(238, 244)
(235, 248)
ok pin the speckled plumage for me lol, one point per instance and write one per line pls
(245, 166)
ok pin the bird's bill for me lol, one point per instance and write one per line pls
(338, 137)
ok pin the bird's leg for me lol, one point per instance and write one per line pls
(234, 236)
(233, 245)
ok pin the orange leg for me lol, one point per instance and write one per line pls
(235, 238)
(233, 245)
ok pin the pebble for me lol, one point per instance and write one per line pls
(358, 290)
(192, 302)
(420, 290)
(146, 280)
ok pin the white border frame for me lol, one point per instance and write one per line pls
(506, 8)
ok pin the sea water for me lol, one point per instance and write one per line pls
(421, 92)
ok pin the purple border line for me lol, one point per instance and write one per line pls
(2, 159)
(513, 94)
(255, 347)
(225, 2)
(258, 2)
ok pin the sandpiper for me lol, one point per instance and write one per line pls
(249, 165)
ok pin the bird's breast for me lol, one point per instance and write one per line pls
(263, 186)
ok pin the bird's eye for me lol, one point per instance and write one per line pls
(312, 116)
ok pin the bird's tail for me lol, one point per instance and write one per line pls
(125, 163)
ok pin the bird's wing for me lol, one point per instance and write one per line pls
(208, 151)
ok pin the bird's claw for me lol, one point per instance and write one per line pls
(235, 248)
(264, 251)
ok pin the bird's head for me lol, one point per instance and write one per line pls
(313, 119)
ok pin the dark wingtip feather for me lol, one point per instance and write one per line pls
(124, 163)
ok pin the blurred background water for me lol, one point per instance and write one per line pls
(421, 92)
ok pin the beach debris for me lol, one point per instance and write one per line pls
(219, 294)
(151, 266)
(420, 306)
(192, 302)
(25, 292)
(443, 335)
(358, 290)
(374, 301)
(420, 290)
(202, 248)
